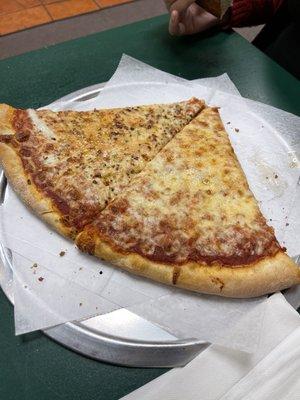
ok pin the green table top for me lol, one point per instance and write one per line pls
(33, 366)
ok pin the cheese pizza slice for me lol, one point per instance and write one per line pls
(68, 165)
(189, 219)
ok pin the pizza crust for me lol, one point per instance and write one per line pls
(6, 115)
(268, 275)
(42, 206)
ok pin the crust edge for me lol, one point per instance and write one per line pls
(6, 116)
(268, 275)
(17, 178)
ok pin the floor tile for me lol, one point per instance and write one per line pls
(23, 19)
(111, 3)
(9, 6)
(73, 28)
(70, 8)
(29, 3)
(51, 1)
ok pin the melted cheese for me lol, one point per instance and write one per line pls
(83, 159)
(191, 203)
(40, 125)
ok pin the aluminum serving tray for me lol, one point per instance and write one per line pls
(119, 337)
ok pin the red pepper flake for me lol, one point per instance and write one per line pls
(236, 129)
(62, 253)
(41, 279)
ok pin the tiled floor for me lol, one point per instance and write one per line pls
(16, 15)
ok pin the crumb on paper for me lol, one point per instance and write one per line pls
(100, 272)
(25, 286)
(96, 308)
(287, 224)
(275, 176)
(41, 279)
(34, 266)
(62, 253)
(271, 219)
(80, 304)
(80, 268)
(228, 123)
(236, 129)
(293, 164)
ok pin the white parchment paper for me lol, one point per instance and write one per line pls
(75, 286)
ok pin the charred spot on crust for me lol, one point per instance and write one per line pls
(217, 281)
(176, 273)
(86, 243)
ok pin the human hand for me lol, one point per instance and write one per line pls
(188, 18)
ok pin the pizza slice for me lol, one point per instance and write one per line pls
(189, 219)
(68, 165)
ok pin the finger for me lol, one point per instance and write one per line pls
(169, 3)
(174, 23)
(182, 29)
(181, 5)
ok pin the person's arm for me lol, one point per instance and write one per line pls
(252, 12)
(187, 17)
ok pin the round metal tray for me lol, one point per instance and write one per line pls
(120, 337)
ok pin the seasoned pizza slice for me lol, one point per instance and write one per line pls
(68, 165)
(189, 219)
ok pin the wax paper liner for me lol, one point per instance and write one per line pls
(179, 312)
